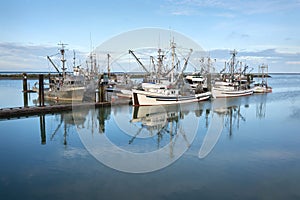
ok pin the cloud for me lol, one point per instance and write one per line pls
(19, 57)
(189, 7)
(293, 62)
(237, 35)
(277, 61)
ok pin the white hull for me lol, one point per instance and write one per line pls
(262, 89)
(125, 94)
(144, 98)
(227, 93)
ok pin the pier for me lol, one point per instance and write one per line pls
(16, 112)
(42, 108)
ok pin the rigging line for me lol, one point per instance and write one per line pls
(54, 55)
(119, 66)
(140, 53)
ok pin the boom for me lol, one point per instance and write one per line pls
(186, 61)
(53, 64)
(138, 60)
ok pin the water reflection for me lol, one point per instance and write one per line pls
(221, 110)
(164, 123)
(149, 121)
(43, 129)
(260, 155)
(155, 136)
(261, 106)
(124, 130)
(232, 117)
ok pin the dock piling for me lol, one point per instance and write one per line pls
(25, 90)
(101, 93)
(41, 90)
(24, 82)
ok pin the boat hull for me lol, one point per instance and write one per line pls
(70, 94)
(143, 98)
(221, 93)
(261, 89)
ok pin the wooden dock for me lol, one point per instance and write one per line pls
(16, 112)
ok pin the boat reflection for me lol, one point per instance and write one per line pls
(158, 125)
(144, 129)
(164, 122)
(153, 136)
(63, 123)
(261, 106)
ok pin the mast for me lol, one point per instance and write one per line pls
(74, 63)
(108, 67)
(95, 64)
(264, 74)
(173, 59)
(159, 64)
(63, 60)
(233, 53)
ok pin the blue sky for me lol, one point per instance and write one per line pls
(262, 31)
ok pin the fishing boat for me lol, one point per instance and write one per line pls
(201, 78)
(195, 80)
(65, 87)
(121, 86)
(227, 89)
(233, 85)
(167, 86)
(165, 96)
(263, 86)
(68, 89)
(118, 85)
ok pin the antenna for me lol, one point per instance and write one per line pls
(159, 40)
(91, 43)
(74, 64)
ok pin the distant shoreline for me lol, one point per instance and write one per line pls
(35, 75)
(19, 75)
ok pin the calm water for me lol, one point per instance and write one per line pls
(243, 148)
(11, 94)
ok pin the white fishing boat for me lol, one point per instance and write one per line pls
(201, 78)
(263, 86)
(195, 79)
(165, 97)
(121, 87)
(168, 86)
(226, 89)
(232, 86)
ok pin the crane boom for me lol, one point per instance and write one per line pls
(186, 61)
(166, 74)
(53, 64)
(138, 60)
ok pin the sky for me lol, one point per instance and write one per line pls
(261, 31)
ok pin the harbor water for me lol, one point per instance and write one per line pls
(238, 148)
